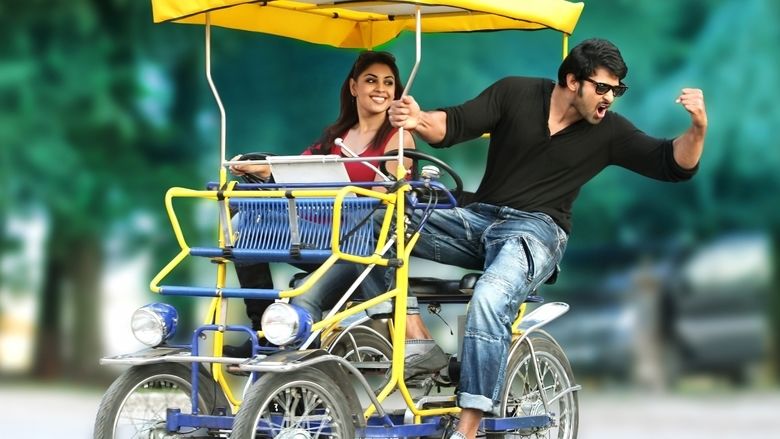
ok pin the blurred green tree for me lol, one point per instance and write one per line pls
(79, 144)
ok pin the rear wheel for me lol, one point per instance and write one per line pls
(136, 403)
(522, 395)
(362, 346)
(305, 403)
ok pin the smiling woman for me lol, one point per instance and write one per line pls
(371, 84)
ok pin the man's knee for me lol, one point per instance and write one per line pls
(488, 301)
(491, 304)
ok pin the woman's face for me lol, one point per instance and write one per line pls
(374, 89)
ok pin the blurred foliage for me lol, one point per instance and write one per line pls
(102, 111)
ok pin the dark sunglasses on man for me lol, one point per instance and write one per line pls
(602, 88)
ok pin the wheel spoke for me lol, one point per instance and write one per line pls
(306, 407)
(135, 406)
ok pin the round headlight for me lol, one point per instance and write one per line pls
(283, 323)
(154, 323)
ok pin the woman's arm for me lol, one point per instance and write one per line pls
(391, 145)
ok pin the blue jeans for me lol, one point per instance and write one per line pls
(497, 240)
(500, 241)
(332, 285)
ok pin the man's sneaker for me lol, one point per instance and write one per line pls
(429, 362)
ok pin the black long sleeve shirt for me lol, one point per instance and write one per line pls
(529, 170)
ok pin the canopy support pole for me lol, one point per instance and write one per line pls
(222, 118)
(400, 169)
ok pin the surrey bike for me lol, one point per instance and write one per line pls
(286, 389)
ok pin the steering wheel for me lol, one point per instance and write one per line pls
(456, 188)
(253, 179)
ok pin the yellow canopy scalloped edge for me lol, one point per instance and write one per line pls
(367, 24)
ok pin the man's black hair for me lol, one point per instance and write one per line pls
(589, 55)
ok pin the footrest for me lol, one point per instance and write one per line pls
(246, 293)
(259, 255)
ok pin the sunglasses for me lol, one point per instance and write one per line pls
(602, 88)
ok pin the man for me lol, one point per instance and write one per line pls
(547, 140)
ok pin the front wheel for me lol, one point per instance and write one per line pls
(305, 403)
(522, 394)
(136, 403)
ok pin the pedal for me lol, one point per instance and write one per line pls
(421, 382)
(372, 367)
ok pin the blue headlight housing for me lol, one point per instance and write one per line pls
(154, 323)
(284, 324)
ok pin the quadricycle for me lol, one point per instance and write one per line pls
(342, 376)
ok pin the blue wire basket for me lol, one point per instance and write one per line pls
(301, 229)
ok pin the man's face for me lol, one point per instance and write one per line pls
(591, 105)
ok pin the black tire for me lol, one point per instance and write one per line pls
(363, 345)
(135, 404)
(294, 402)
(521, 396)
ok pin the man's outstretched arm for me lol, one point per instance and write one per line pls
(689, 146)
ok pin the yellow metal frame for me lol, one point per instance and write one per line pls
(215, 317)
(395, 207)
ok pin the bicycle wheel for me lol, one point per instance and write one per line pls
(522, 395)
(135, 405)
(364, 347)
(305, 403)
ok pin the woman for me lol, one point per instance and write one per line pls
(369, 88)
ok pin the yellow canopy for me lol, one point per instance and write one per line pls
(367, 24)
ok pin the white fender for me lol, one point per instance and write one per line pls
(542, 316)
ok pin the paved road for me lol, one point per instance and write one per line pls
(44, 412)
(40, 412)
(701, 416)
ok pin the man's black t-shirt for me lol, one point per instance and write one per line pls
(529, 170)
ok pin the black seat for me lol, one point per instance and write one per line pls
(435, 290)
(430, 290)
(468, 281)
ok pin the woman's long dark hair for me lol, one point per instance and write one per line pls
(348, 115)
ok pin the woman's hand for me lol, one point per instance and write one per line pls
(262, 171)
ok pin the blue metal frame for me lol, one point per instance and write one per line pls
(256, 349)
(377, 427)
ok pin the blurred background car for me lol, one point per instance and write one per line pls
(663, 313)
